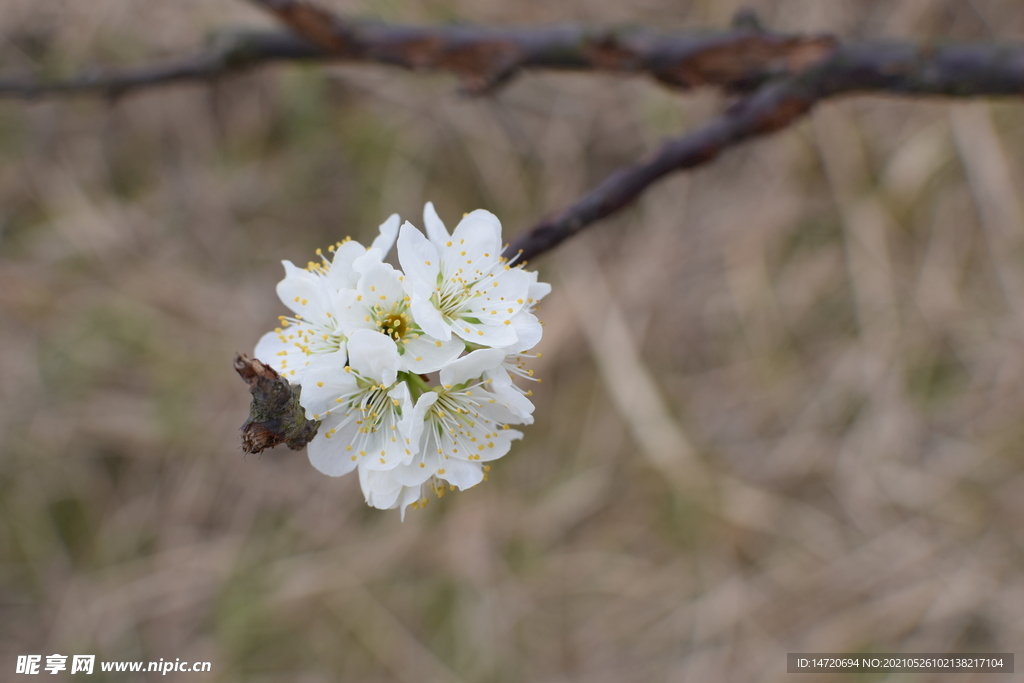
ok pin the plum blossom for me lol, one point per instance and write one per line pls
(359, 403)
(312, 293)
(459, 283)
(411, 375)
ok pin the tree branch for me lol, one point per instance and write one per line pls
(485, 58)
(894, 68)
(229, 51)
(739, 59)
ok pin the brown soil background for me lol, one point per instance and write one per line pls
(782, 395)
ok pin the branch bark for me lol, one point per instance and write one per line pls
(889, 68)
(739, 59)
(485, 58)
(229, 51)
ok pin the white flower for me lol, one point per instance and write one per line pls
(379, 303)
(312, 293)
(364, 337)
(360, 405)
(459, 283)
(463, 423)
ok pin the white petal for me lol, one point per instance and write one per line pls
(341, 274)
(481, 228)
(325, 380)
(484, 441)
(350, 312)
(502, 444)
(282, 355)
(387, 447)
(410, 495)
(462, 474)
(502, 296)
(485, 334)
(269, 345)
(471, 366)
(427, 316)
(422, 467)
(388, 231)
(418, 257)
(374, 356)
(301, 290)
(379, 488)
(405, 407)
(413, 421)
(538, 290)
(474, 249)
(426, 354)
(436, 232)
(507, 397)
(328, 454)
(379, 283)
(528, 331)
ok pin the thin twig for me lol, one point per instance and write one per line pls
(957, 70)
(228, 52)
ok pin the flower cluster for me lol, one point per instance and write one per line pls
(410, 371)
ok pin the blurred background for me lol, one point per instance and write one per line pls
(782, 395)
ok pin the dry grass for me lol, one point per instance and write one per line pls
(782, 399)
